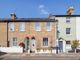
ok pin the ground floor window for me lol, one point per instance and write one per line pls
(14, 41)
(68, 42)
(45, 41)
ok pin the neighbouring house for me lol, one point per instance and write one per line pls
(68, 29)
(33, 34)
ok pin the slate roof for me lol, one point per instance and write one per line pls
(66, 15)
(27, 20)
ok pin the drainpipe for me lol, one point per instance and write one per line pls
(7, 36)
(57, 38)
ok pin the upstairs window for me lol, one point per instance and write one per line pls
(22, 27)
(37, 26)
(67, 19)
(48, 26)
(68, 30)
(11, 27)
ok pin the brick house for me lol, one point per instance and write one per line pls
(35, 33)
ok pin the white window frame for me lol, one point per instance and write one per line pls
(11, 27)
(69, 31)
(14, 43)
(48, 26)
(37, 26)
(22, 27)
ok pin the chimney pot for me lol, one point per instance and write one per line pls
(70, 10)
(13, 16)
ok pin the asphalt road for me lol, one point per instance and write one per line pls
(49, 57)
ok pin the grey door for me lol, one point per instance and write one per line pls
(61, 46)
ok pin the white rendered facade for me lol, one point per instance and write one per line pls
(71, 25)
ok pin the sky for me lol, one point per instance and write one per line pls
(36, 8)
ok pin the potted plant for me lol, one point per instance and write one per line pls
(74, 45)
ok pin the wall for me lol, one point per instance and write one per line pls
(11, 49)
(62, 25)
(30, 32)
(3, 34)
(78, 27)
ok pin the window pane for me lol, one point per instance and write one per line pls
(11, 27)
(37, 26)
(67, 19)
(14, 41)
(45, 41)
(48, 26)
(22, 27)
(67, 30)
(68, 42)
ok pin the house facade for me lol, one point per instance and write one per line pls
(35, 33)
(68, 29)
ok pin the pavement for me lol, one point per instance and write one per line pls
(25, 56)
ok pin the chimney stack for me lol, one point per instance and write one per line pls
(13, 16)
(70, 10)
(51, 16)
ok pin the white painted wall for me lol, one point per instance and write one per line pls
(11, 49)
(46, 51)
(78, 28)
(62, 25)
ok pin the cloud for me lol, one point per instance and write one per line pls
(41, 6)
(43, 10)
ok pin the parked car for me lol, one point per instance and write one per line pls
(78, 50)
(72, 51)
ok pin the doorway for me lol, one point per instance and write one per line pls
(27, 45)
(61, 46)
(33, 45)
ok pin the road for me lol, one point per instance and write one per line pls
(45, 57)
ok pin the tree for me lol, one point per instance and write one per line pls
(74, 45)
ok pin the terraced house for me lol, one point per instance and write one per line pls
(41, 34)
(68, 29)
(35, 33)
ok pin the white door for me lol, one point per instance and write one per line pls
(33, 44)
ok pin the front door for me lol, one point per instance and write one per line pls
(26, 44)
(33, 44)
(61, 46)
